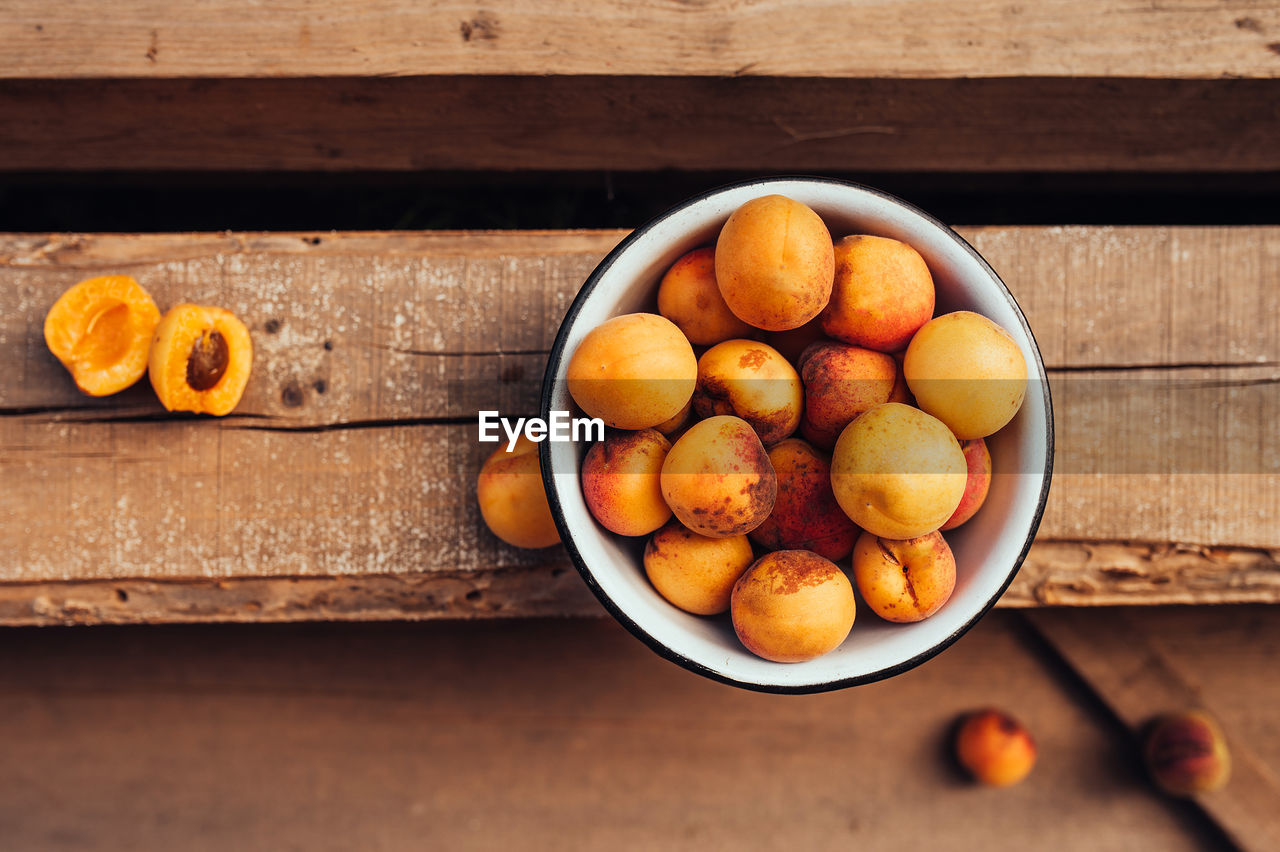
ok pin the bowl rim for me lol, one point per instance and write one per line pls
(556, 357)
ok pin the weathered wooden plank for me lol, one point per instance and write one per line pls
(536, 735)
(824, 125)
(1056, 573)
(357, 459)
(1130, 671)
(879, 38)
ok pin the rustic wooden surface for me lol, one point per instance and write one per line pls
(1131, 670)
(353, 454)
(878, 38)
(567, 735)
(769, 124)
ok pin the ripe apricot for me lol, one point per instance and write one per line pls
(633, 372)
(100, 330)
(904, 581)
(897, 472)
(200, 359)
(620, 481)
(792, 606)
(690, 297)
(978, 461)
(882, 294)
(717, 478)
(1187, 754)
(753, 381)
(995, 748)
(968, 372)
(512, 500)
(840, 382)
(694, 572)
(805, 514)
(775, 263)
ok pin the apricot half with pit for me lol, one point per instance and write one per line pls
(200, 360)
(100, 330)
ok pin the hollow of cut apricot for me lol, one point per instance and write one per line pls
(101, 330)
(200, 359)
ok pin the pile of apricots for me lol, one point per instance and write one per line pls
(826, 415)
(107, 332)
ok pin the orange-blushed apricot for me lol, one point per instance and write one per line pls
(100, 330)
(883, 293)
(717, 478)
(620, 481)
(753, 381)
(792, 606)
(694, 572)
(805, 514)
(200, 359)
(904, 581)
(512, 500)
(634, 371)
(690, 298)
(775, 263)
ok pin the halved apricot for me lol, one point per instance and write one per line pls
(100, 330)
(200, 359)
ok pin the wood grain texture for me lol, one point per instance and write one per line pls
(536, 735)
(878, 38)
(353, 453)
(1055, 573)
(642, 123)
(1138, 680)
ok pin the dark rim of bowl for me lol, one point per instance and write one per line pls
(553, 497)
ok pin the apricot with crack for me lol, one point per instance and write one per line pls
(200, 360)
(717, 478)
(100, 330)
(621, 481)
(512, 500)
(690, 297)
(753, 381)
(775, 263)
(694, 572)
(792, 606)
(805, 514)
(995, 748)
(634, 371)
(904, 581)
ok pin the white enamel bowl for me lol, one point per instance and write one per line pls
(988, 549)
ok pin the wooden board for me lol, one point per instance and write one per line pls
(1124, 661)
(877, 38)
(353, 452)
(535, 735)
(641, 123)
